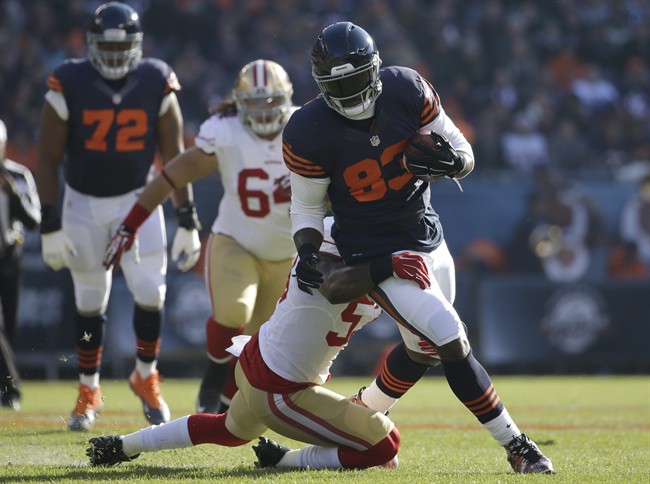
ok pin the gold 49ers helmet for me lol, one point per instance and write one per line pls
(262, 94)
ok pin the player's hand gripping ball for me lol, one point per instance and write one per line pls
(431, 157)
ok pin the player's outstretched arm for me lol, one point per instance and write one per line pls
(352, 282)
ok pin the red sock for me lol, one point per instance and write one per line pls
(211, 429)
(378, 454)
(219, 337)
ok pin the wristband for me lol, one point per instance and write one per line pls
(187, 217)
(306, 250)
(136, 217)
(50, 221)
(381, 269)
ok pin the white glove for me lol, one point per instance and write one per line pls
(186, 242)
(56, 248)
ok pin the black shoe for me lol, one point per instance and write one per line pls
(525, 457)
(107, 451)
(10, 400)
(269, 452)
(208, 401)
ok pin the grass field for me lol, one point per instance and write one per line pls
(595, 429)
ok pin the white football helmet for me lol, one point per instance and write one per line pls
(262, 94)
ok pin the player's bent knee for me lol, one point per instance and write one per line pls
(455, 350)
(379, 454)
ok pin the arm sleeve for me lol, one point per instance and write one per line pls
(443, 124)
(57, 101)
(164, 105)
(308, 202)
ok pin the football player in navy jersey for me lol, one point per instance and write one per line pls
(348, 145)
(108, 114)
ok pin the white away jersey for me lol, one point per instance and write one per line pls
(254, 209)
(306, 333)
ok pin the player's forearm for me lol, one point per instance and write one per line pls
(308, 236)
(51, 147)
(347, 284)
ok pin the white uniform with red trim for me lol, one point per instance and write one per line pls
(254, 209)
(306, 333)
(281, 369)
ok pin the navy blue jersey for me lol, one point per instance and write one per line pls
(378, 206)
(112, 124)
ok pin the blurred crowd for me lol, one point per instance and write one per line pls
(537, 86)
(563, 83)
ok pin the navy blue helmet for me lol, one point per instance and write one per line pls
(345, 65)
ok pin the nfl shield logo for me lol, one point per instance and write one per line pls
(374, 141)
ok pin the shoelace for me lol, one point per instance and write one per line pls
(525, 447)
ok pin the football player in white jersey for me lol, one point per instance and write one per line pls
(250, 249)
(279, 374)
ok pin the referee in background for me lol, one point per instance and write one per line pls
(19, 208)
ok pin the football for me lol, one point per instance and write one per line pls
(420, 139)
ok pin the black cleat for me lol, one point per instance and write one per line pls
(11, 400)
(525, 457)
(269, 452)
(208, 401)
(107, 451)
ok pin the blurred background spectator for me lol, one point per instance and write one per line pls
(572, 74)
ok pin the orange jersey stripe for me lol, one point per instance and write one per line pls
(430, 110)
(299, 165)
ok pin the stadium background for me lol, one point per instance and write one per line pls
(548, 92)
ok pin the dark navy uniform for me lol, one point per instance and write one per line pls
(112, 123)
(378, 206)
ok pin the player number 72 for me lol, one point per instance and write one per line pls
(131, 128)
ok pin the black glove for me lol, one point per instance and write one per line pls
(435, 157)
(187, 217)
(307, 273)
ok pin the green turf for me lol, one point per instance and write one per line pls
(595, 429)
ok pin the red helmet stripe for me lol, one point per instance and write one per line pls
(260, 74)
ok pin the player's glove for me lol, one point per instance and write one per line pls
(307, 273)
(403, 265)
(123, 240)
(433, 159)
(282, 192)
(56, 249)
(411, 266)
(188, 245)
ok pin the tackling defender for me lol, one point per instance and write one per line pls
(280, 373)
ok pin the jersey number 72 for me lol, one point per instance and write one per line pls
(131, 129)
